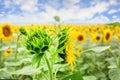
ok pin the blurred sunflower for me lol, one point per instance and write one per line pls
(70, 57)
(107, 35)
(96, 37)
(8, 52)
(81, 37)
(71, 45)
(16, 29)
(118, 36)
(0, 34)
(52, 33)
(6, 32)
(72, 35)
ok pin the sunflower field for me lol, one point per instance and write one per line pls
(59, 52)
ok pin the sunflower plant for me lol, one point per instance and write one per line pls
(51, 50)
(37, 42)
(6, 31)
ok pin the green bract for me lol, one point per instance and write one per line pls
(37, 41)
(63, 39)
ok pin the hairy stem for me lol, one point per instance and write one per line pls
(49, 67)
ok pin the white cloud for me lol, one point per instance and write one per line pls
(99, 19)
(112, 11)
(113, 2)
(18, 2)
(114, 17)
(69, 12)
(29, 6)
(7, 3)
(54, 3)
(69, 3)
(1, 15)
(26, 5)
(24, 19)
(101, 7)
(76, 12)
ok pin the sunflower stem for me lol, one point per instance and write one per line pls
(35, 77)
(50, 67)
(16, 50)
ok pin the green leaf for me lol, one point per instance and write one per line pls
(114, 74)
(26, 60)
(75, 76)
(6, 47)
(21, 49)
(36, 58)
(97, 49)
(89, 78)
(54, 55)
(100, 49)
(29, 70)
(2, 69)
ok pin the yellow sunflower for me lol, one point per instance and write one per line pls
(0, 34)
(6, 32)
(81, 37)
(72, 35)
(107, 35)
(52, 33)
(118, 36)
(8, 52)
(96, 37)
(70, 57)
(71, 45)
(15, 29)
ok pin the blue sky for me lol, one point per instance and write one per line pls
(70, 11)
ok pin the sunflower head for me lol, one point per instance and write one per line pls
(16, 29)
(72, 35)
(81, 37)
(107, 35)
(70, 57)
(8, 52)
(96, 37)
(6, 32)
(118, 36)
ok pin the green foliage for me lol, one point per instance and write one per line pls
(114, 74)
(36, 58)
(47, 58)
(96, 62)
(74, 76)
(63, 39)
(57, 18)
(114, 24)
(28, 70)
(23, 31)
(90, 78)
(97, 49)
(37, 42)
